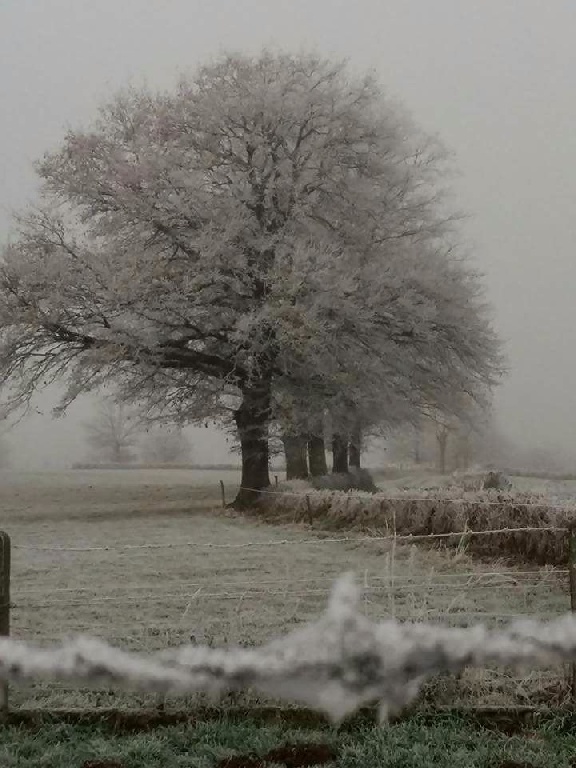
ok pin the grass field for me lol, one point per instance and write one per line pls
(230, 743)
(126, 556)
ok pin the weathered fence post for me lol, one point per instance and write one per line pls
(223, 493)
(572, 582)
(4, 609)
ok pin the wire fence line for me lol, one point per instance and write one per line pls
(438, 581)
(185, 597)
(127, 631)
(407, 538)
(449, 580)
(288, 585)
(127, 599)
(335, 664)
(519, 584)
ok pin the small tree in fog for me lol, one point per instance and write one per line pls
(113, 433)
(164, 445)
(454, 430)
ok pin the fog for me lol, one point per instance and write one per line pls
(494, 78)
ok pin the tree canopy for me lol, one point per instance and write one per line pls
(272, 230)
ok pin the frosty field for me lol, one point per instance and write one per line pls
(148, 559)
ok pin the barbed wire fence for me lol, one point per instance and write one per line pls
(336, 664)
(382, 597)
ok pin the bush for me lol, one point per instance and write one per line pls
(354, 480)
(496, 481)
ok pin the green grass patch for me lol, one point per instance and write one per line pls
(445, 742)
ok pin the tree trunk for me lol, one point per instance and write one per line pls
(416, 445)
(442, 439)
(296, 459)
(339, 454)
(252, 418)
(355, 447)
(317, 456)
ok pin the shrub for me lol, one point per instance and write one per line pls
(496, 481)
(354, 480)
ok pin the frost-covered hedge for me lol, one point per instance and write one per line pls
(435, 512)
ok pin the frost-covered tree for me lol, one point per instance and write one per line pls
(405, 333)
(272, 220)
(113, 432)
(458, 425)
(165, 445)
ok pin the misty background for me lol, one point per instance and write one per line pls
(495, 79)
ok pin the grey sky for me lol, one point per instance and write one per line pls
(496, 79)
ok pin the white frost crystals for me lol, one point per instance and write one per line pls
(336, 664)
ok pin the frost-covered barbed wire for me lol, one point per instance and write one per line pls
(336, 664)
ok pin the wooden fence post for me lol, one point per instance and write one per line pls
(572, 583)
(4, 609)
(223, 493)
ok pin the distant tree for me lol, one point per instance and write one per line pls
(460, 425)
(450, 439)
(443, 428)
(165, 445)
(113, 433)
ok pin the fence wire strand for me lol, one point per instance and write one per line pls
(438, 580)
(408, 538)
(255, 593)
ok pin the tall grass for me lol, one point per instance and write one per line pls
(438, 512)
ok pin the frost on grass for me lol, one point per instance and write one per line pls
(438, 512)
(336, 664)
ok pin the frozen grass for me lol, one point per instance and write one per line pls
(437, 511)
(153, 598)
(444, 743)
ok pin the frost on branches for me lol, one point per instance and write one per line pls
(273, 228)
(335, 665)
